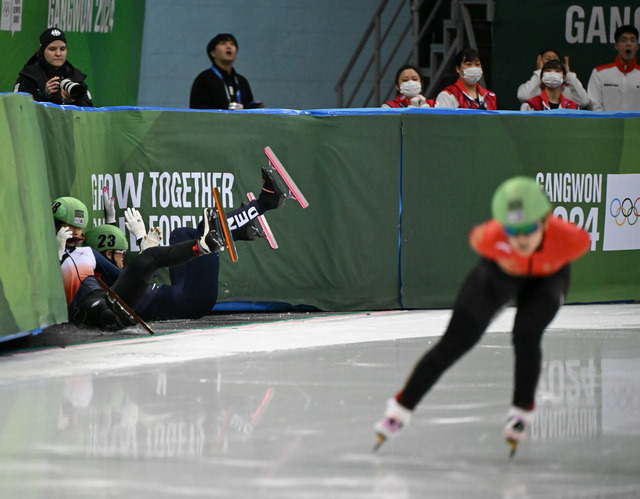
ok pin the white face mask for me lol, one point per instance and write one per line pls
(472, 75)
(410, 88)
(552, 79)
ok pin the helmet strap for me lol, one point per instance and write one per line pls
(110, 256)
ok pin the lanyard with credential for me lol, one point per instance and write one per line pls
(480, 102)
(217, 73)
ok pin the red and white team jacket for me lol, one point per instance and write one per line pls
(572, 89)
(615, 87)
(456, 96)
(404, 101)
(541, 103)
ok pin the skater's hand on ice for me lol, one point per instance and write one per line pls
(109, 204)
(133, 221)
(62, 236)
(152, 239)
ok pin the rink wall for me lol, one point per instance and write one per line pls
(393, 195)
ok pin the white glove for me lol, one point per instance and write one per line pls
(133, 221)
(419, 101)
(152, 239)
(63, 235)
(109, 203)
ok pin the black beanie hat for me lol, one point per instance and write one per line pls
(220, 37)
(51, 35)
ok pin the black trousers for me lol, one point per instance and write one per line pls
(484, 292)
(133, 282)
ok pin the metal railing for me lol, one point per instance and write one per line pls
(441, 54)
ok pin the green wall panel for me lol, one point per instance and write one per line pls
(357, 169)
(30, 280)
(453, 163)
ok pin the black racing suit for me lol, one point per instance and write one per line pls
(485, 291)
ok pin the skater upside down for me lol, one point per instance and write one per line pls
(525, 253)
(192, 258)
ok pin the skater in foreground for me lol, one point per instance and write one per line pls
(525, 254)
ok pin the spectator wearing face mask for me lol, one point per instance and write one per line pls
(552, 76)
(466, 93)
(409, 87)
(571, 88)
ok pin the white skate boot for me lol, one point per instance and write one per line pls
(515, 429)
(396, 417)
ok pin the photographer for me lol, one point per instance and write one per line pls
(49, 77)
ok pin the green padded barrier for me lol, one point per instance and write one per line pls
(453, 163)
(31, 295)
(356, 168)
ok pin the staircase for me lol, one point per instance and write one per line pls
(436, 31)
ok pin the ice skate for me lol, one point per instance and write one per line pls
(211, 241)
(277, 168)
(396, 417)
(125, 315)
(515, 429)
(272, 196)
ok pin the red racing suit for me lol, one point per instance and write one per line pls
(563, 243)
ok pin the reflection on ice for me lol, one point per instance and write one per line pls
(621, 396)
(298, 423)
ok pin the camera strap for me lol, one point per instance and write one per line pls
(228, 89)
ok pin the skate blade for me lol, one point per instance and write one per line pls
(294, 190)
(222, 224)
(123, 306)
(380, 440)
(267, 233)
(513, 445)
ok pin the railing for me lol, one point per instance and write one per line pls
(460, 23)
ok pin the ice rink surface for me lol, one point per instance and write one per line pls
(285, 410)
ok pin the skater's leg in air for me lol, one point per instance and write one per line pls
(137, 276)
(194, 286)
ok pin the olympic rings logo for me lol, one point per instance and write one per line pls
(625, 211)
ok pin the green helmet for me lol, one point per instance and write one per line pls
(106, 237)
(519, 201)
(70, 211)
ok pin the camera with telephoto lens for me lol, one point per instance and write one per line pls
(74, 89)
